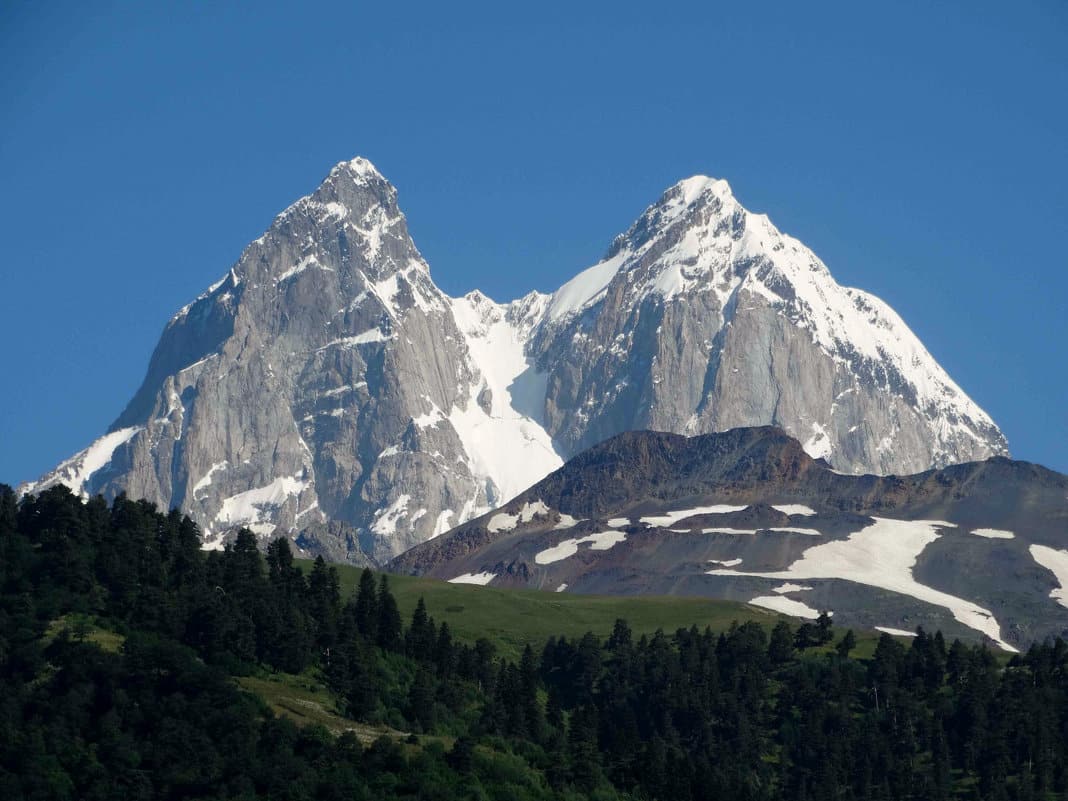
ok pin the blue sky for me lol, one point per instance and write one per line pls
(921, 149)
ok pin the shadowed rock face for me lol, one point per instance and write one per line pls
(327, 380)
(737, 515)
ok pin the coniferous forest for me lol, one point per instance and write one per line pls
(747, 713)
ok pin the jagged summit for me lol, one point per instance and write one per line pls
(360, 167)
(326, 379)
(718, 311)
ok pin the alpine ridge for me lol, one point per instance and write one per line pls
(326, 387)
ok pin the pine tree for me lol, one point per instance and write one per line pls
(846, 644)
(781, 646)
(367, 606)
(324, 603)
(419, 640)
(389, 619)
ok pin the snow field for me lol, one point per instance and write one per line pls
(993, 533)
(895, 632)
(601, 541)
(1057, 563)
(481, 579)
(883, 555)
(788, 606)
(670, 518)
(250, 508)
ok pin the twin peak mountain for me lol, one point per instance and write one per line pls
(326, 387)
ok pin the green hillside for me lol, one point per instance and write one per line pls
(512, 618)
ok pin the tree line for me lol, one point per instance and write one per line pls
(746, 713)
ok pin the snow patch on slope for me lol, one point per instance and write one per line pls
(600, 541)
(883, 555)
(584, 288)
(76, 471)
(481, 579)
(505, 444)
(895, 632)
(794, 509)
(502, 521)
(788, 606)
(1056, 562)
(251, 507)
(993, 533)
(670, 518)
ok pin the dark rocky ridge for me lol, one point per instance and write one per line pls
(639, 474)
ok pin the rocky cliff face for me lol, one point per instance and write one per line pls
(326, 379)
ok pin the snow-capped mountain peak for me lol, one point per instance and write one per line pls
(325, 385)
(698, 283)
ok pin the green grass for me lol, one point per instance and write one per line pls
(512, 618)
(86, 629)
(306, 701)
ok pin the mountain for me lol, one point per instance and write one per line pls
(704, 317)
(978, 550)
(327, 388)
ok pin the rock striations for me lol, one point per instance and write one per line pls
(327, 388)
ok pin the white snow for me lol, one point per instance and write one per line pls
(212, 543)
(532, 510)
(481, 579)
(503, 521)
(373, 335)
(725, 562)
(311, 508)
(788, 606)
(794, 509)
(385, 522)
(618, 522)
(335, 209)
(895, 632)
(600, 541)
(205, 481)
(581, 290)
(818, 445)
(76, 471)
(670, 518)
(429, 419)
(788, 587)
(441, 525)
(883, 555)
(508, 445)
(1056, 562)
(811, 532)
(993, 533)
(701, 219)
(198, 362)
(251, 507)
(566, 521)
(301, 266)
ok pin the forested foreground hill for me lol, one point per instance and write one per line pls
(124, 649)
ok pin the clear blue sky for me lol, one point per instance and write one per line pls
(920, 148)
